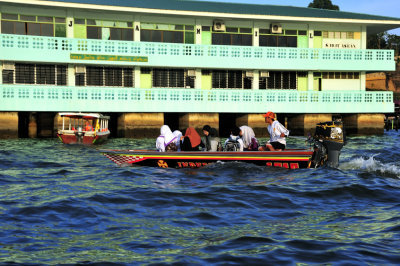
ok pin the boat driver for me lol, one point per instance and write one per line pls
(277, 133)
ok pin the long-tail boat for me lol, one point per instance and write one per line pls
(324, 149)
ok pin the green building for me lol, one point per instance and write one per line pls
(187, 63)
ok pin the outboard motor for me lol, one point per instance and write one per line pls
(79, 135)
(329, 139)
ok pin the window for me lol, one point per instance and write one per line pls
(339, 75)
(24, 74)
(33, 25)
(287, 39)
(232, 39)
(45, 74)
(286, 80)
(61, 75)
(171, 78)
(36, 74)
(94, 76)
(8, 76)
(113, 76)
(335, 34)
(105, 76)
(232, 79)
(167, 33)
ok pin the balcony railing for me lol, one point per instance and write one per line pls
(87, 51)
(100, 99)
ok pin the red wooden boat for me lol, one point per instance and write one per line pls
(83, 128)
(326, 146)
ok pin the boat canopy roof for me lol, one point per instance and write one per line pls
(84, 115)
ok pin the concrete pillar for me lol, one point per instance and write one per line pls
(310, 36)
(364, 124)
(256, 80)
(255, 121)
(363, 80)
(310, 83)
(70, 24)
(302, 125)
(256, 37)
(1, 68)
(58, 122)
(140, 125)
(197, 39)
(45, 124)
(8, 125)
(32, 126)
(137, 77)
(136, 31)
(197, 81)
(198, 120)
(71, 75)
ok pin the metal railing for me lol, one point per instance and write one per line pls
(69, 50)
(105, 99)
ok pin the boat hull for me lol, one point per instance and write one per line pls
(86, 140)
(290, 159)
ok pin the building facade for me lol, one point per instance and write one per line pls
(187, 63)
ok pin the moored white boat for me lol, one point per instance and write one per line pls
(83, 128)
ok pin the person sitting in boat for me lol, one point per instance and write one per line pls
(210, 141)
(191, 141)
(277, 133)
(250, 142)
(178, 135)
(88, 126)
(166, 141)
(234, 142)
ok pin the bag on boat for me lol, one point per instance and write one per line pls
(232, 145)
(171, 147)
(253, 146)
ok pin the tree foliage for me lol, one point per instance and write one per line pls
(323, 4)
(384, 40)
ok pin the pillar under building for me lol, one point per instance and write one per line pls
(32, 125)
(304, 124)
(140, 125)
(255, 121)
(364, 124)
(198, 120)
(8, 125)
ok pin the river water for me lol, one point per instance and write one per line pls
(63, 204)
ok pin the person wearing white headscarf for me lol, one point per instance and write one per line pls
(178, 136)
(165, 138)
(248, 137)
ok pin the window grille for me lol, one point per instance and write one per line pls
(36, 74)
(8, 76)
(280, 80)
(171, 78)
(232, 79)
(105, 76)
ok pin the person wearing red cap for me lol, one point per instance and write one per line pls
(277, 133)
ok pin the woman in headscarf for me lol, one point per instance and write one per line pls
(178, 136)
(165, 138)
(191, 141)
(249, 138)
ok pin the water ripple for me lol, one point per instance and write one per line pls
(66, 204)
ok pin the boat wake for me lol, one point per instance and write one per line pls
(370, 164)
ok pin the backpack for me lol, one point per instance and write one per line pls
(232, 145)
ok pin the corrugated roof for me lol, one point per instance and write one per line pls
(232, 8)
